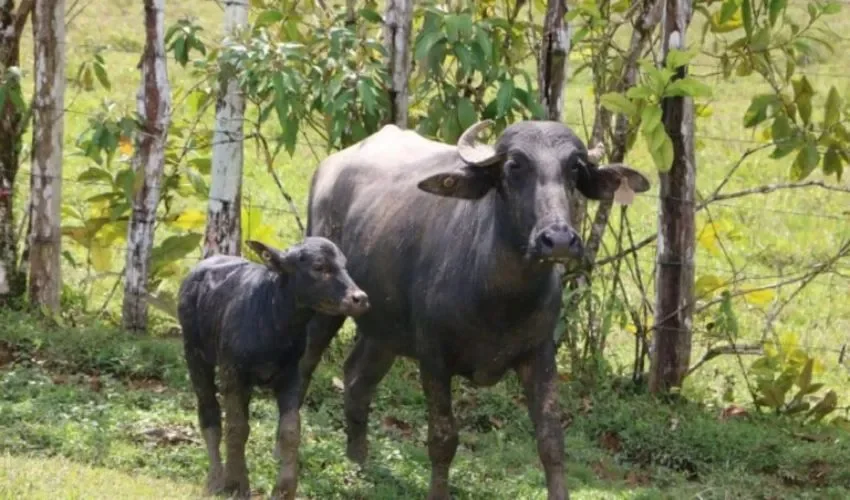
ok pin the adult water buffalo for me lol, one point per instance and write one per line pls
(456, 247)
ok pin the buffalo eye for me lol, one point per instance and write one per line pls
(514, 166)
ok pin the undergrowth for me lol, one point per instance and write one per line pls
(99, 397)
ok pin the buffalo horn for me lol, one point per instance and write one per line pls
(473, 152)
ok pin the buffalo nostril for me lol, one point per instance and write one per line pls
(546, 240)
(359, 298)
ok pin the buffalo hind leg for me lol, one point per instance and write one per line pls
(364, 369)
(442, 431)
(288, 438)
(237, 398)
(202, 375)
(538, 375)
(320, 331)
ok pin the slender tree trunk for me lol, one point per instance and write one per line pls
(48, 127)
(153, 104)
(224, 229)
(350, 13)
(675, 258)
(12, 283)
(398, 20)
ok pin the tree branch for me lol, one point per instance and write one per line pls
(747, 349)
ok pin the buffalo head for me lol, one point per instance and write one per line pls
(533, 167)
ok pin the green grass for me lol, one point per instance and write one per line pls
(54, 406)
(44, 478)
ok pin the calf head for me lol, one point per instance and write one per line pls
(321, 281)
(534, 167)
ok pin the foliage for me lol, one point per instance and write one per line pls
(786, 366)
(769, 38)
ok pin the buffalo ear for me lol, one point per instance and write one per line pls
(468, 183)
(615, 181)
(276, 260)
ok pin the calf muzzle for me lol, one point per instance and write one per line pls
(355, 303)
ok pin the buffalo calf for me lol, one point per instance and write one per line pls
(250, 321)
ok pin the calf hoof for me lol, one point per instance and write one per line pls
(285, 490)
(357, 451)
(215, 482)
(237, 489)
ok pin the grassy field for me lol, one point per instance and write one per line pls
(761, 239)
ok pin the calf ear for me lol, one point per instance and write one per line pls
(469, 183)
(615, 181)
(282, 262)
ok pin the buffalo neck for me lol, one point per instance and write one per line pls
(282, 300)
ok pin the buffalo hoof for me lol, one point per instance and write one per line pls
(357, 451)
(237, 489)
(215, 483)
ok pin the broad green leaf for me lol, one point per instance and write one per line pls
(102, 77)
(776, 8)
(639, 92)
(662, 154)
(688, 87)
(825, 406)
(805, 162)
(96, 174)
(781, 129)
(174, 248)
(504, 97)
(832, 163)
(832, 7)
(203, 164)
(191, 219)
(757, 112)
(268, 17)
(426, 42)
(676, 58)
(651, 119)
(290, 134)
(761, 40)
(618, 103)
(832, 109)
(747, 17)
(804, 380)
(465, 112)
(371, 15)
(364, 91)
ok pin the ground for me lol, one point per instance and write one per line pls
(101, 400)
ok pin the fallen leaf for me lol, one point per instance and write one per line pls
(95, 384)
(393, 424)
(674, 423)
(337, 383)
(610, 441)
(733, 411)
(165, 436)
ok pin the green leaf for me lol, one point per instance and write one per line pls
(775, 8)
(804, 380)
(364, 91)
(650, 119)
(688, 87)
(618, 103)
(831, 8)
(95, 174)
(805, 162)
(426, 42)
(803, 93)
(832, 162)
(761, 40)
(100, 73)
(290, 134)
(198, 183)
(781, 129)
(465, 112)
(639, 92)
(832, 111)
(747, 16)
(661, 149)
(757, 112)
(371, 15)
(504, 97)
(482, 37)
(677, 58)
(268, 17)
(174, 248)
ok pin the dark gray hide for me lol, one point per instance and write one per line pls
(250, 320)
(456, 247)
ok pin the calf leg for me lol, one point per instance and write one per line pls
(364, 369)
(202, 375)
(288, 438)
(537, 373)
(320, 331)
(442, 431)
(237, 398)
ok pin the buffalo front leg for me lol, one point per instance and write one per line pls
(202, 375)
(320, 331)
(364, 369)
(237, 398)
(288, 439)
(538, 374)
(442, 432)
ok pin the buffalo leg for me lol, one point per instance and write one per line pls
(237, 398)
(442, 431)
(202, 375)
(538, 374)
(320, 331)
(288, 439)
(364, 369)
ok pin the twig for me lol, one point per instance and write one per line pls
(769, 188)
(269, 167)
(743, 350)
(111, 294)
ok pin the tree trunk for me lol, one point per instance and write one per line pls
(398, 20)
(48, 127)
(224, 231)
(153, 104)
(350, 13)
(671, 351)
(12, 283)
